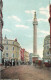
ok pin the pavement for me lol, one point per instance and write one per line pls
(26, 72)
(2, 67)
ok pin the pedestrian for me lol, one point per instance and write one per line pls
(5, 64)
(17, 62)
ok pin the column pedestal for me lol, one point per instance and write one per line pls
(34, 58)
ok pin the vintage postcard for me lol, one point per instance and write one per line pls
(25, 39)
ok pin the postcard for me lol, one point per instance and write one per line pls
(25, 39)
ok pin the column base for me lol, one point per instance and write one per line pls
(34, 58)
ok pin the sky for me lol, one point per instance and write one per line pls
(18, 22)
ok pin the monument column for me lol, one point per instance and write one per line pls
(35, 23)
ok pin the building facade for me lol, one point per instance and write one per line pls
(46, 47)
(11, 50)
(26, 56)
(30, 57)
(22, 54)
(1, 26)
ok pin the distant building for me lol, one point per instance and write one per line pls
(1, 26)
(22, 54)
(11, 50)
(26, 56)
(30, 57)
(46, 46)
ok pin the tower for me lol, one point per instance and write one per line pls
(1, 26)
(35, 23)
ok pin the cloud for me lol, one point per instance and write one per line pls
(41, 19)
(29, 20)
(38, 19)
(22, 26)
(29, 11)
(15, 18)
(43, 33)
(29, 36)
(7, 30)
(40, 36)
(44, 11)
(30, 50)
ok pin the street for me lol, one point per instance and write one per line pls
(26, 72)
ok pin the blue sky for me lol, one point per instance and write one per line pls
(18, 18)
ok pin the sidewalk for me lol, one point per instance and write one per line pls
(26, 72)
(3, 67)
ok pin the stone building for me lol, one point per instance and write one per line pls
(1, 26)
(11, 50)
(26, 56)
(30, 57)
(46, 46)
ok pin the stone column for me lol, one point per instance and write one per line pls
(35, 23)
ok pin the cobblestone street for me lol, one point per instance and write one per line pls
(26, 72)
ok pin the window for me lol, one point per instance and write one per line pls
(47, 47)
(16, 54)
(6, 54)
(7, 42)
(47, 53)
(13, 42)
(13, 48)
(13, 55)
(7, 48)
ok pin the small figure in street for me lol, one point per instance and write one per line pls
(10, 63)
(13, 63)
(5, 64)
(17, 63)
